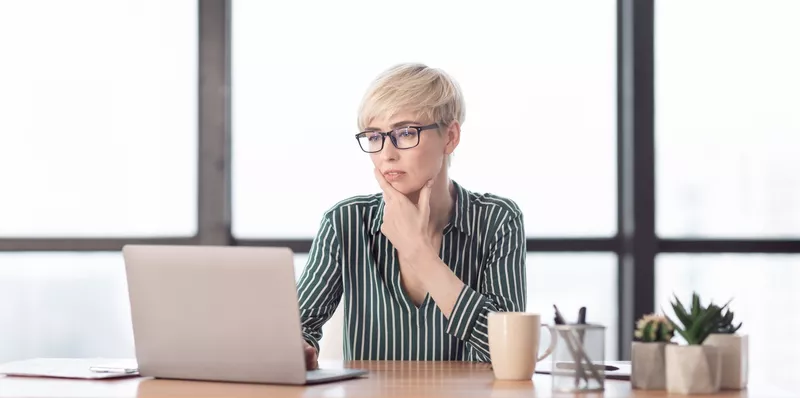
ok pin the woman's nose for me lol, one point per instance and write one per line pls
(389, 151)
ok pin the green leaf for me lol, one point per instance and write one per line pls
(706, 323)
(683, 317)
(697, 321)
(727, 318)
(695, 305)
(686, 336)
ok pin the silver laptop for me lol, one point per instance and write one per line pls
(220, 314)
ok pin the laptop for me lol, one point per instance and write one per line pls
(219, 313)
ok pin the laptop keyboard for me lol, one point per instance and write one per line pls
(333, 374)
(321, 373)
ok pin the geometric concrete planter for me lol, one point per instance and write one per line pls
(734, 352)
(648, 366)
(693, 369)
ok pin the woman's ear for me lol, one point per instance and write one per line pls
(453, 136)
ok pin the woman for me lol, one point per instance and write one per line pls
(421, 264)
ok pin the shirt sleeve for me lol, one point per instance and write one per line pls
(503, 289)
(320, 284)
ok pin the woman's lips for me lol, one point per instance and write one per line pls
(393, 175)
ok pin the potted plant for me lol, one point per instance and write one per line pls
(694, 368)
(648, 364)
(734, 349)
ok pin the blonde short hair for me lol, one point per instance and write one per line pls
(428, 92)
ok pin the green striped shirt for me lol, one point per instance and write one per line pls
(353, 262)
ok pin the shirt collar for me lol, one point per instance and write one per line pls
(461, 218)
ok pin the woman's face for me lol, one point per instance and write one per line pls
(409, 169)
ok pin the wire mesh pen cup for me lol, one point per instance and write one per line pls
(578, 358)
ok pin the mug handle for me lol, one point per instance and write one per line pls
(552, 344)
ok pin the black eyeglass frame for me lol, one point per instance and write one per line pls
(383, 135)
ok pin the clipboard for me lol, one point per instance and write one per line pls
(71, 368)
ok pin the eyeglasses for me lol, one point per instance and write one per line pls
(402, 138)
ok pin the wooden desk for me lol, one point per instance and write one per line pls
(386, 379)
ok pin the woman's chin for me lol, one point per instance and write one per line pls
(406, 187)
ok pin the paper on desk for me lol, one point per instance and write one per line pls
(622, 369)
(72, 368)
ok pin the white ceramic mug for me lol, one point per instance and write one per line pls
(514, 344)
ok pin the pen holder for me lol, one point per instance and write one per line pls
(578, 358)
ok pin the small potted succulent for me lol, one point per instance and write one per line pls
(648, 367)
(694, 368)
(734, 348)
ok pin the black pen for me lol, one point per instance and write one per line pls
(582, 321)
(559, 319)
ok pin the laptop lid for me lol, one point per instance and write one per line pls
(215, 313)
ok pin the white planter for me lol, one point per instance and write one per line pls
(735, 357)
(693, 369)
(648, 366)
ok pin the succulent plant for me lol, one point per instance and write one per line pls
(725, 322)
(653, 328)
(695, 323)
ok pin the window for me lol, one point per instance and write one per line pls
(727, 125)
(62, 304)
(98, 120)
(762, 287)
(574, 280)
(539, 81)
(727, 130)
(299, 264)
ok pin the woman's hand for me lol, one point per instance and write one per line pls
(311, 356)
(406, 224)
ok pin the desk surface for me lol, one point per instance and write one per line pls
(391, 379)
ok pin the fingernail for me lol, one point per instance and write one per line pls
(430, 183)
